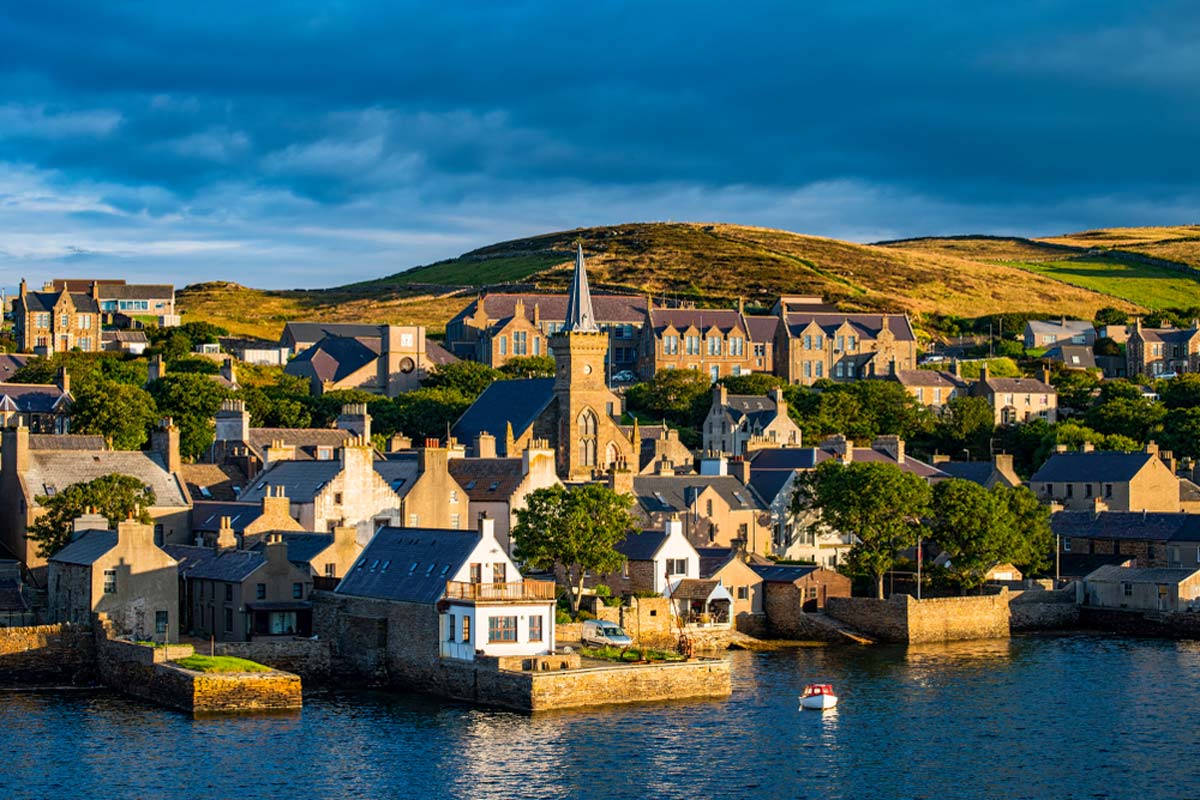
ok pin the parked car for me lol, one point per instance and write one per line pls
(624, 376)
(602, 634)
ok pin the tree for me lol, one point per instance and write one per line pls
(966, 423)
(191, 401)
(877, 502)
(115, 497)
(575, 529)
(1109, 315)
(1134, 419)
(468, 377)
(752, 383)
(1105, 346)
(1181, 432)
(1031, 520)
(119, 412)
(424, 413)
(973, 527)
(1181, 392)
(673, 394)
(529, 367)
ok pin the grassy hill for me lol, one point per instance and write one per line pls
(714, 264)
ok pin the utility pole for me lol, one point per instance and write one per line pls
(920, 558)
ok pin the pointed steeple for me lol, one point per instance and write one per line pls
(580, 317)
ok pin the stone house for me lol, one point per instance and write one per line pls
(236, 595)
(212, 520)
(57, 321)
(575, 412)
(116, 297)
(394, 360)
(132, 342)
(987, 474)
(428, 494)
(716, 342)
(789, 592)
(1142, 589)
(498, 487)
(716, 510)
(1159, 351)
(931, 388)
(1017, 400)
(733, 570)
(738, 424)
(1072, 356)
(653, 560)
(1152, 539)
(661, 450)
(42, 408)
(120, 573)
(326, 556)
(1100, 480)
(345, 491)
(444, 595)
(815, 341)
(1048, 332)
(33, 465)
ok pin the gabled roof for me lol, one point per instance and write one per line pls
(32, 398)
(305, 440)
(780, 573)
(302, 480)
(1017, 386)
(762, 329)
(136, 291)
(229, 566)
(614, 308)
(334, 358)
(10, 363)
(437, 354)
(770, 468)
(697, 589)
(702, 319)
(486, 479)
(1153, 526)
(712, 559)
(1114, 574)
(927, 377)
(51, 471)
(1072, 356)
(642, 546)
(866, 326)
(302, 332)
(124, 337)
(86, 547)
(1098, 466)
(399, 472)
(206, 515)
(519, 402)
(189, 556)
(666, 493)
(1060, 327)
(973, 471)
(409, 564)
(213, 481)
(45, 301)
(1172, 335)
(302, 548)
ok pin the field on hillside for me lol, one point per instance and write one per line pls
(1141, 284)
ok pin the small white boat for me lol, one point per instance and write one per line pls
(818, 696)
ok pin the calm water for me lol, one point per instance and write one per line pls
(1031, 718)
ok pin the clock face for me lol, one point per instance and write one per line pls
(587, 369)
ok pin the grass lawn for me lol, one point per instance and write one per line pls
(632, 654)
(1145, 285)
(198, 663)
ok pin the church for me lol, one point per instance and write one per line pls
(575, 412)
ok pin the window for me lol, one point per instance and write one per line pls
(670, 345)
(714, 346)
(229, 593)
(499, 572)
(260, 592)
(1108, 490)
(161, 619)
(537, 346)
(841, 370)
(1087, 490)
(42, 320)
(297, 591)
(466, 629)
(337, 498)
(520, 343)
(110, 581)
(808, 369)
(676, 566)
(1070, 490)
(737, 346)
(811, 593)
(414, 520)
(456, 521)
(743, 593)
(808, 340)
(708, 508)
(454, 495)
(853, 342)
(324, 453)
(1127, 589)
(535, 628)
(477, 573)
(502, 629)
(229, 620)
(1066, 545)
(820, 369)
(330, 570)
(85, 321)
(841, 343)
(503, 343)
(760, 350)
(64, 321)
(450, 631)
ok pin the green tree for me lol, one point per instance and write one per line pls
(575, 529)
(752, 383)
(1133, 419)
(115, 497)
(529, 367)
(877, 502)
(673, 394)
(468, 377)
(1181, 392)
(966, 423)
(1105, 346)
(973, 527)
(1110, 315)
(1034, 541)
(424, 413)
(119, 412)
(1076, 388)
(191, 401)
(1181, 432)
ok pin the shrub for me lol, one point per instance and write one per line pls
(562, 617)
(602, 590)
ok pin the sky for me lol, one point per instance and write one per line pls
(297, 144)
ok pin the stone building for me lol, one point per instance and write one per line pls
(1142, 589)
(214, 520)
(790, 592)
(39, 465)
(1102, 480)
(815, 341)
(734, 570)
(1152, 539)
(653, 560)
(738, 424)
(498, 487)
(931, 388)
(716, 510)
(1017, 400)
(390, 361)
(120, 573)
(987, 474)
(116, 297)
(57, 321)
(428, 493)
(1161, 351)
(235, 595)
(716, 342)
(42, 408)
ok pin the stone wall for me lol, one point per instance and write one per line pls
(708, 678)
(1164, 624)
(47, 655)
(1044, 610)
(648, 620)
(304, 657)
(242, 692)
(903, 618)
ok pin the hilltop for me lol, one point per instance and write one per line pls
(715, 264)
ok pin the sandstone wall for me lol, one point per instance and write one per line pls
(304, 657)
(883, 620)
(47, 655)
(602, 686)
(903, 618)
(1044, 610)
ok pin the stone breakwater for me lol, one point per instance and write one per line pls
(47, 655)
(904, 619)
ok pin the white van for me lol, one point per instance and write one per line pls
(600, 633)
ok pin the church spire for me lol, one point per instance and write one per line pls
(580, 317)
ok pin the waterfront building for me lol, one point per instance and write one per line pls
(732, 569)
(653, 560)
(1142, 589)
(790, 592)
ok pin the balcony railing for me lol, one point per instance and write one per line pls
(518, 590)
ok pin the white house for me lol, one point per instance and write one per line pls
(654, 559)
(482, 603)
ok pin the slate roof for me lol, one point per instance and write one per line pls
(124, 337)
(437, 354)
(666, 493)
(189, 556)
(302, 548)
(1076, 565)
(1173, 335)
(771, 468)
(694, 589)
(702, 319)
(45, 301)
(641, 546)
(866, 326)
(1073, 356)
(781, 573)
(66, 441)
(136, 291)
(1017, 386)
(1059, 327)
(230, 566)
(206, 516)
(302, 480)
(31, 398)
(386, 571)
(50, 471)
(973, 471)
(762, 329)
(305, 440)
(486, 479)
(334, 358)
(712, 559)
(519, 402)
(928, 377)
(217, 480)
(400, 473)
(1154, 526)
(553, 307)
(1113, 574)
(1188, 491)
(85, 547)
(303, 332)
(1098, 466)
(10, 363)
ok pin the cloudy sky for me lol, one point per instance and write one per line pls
(310, 144)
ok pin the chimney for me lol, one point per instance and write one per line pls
(355, 419)
(720, 394)
(433, 458)
(983, 372)
(1045, 374)
(232, 422)
(276, 551)
(226, 538)
(1060, 448)
(620, 479)
(95, 290)
(275, 504)
(838, 445)
(538, 458)
(63, 380)
(399, 442)
(157, 369)
(1087, 447)
(227, 371)
(776, 396)
(15, 450)
(487, 526)
(23, 289)
(164, 440)
(278, 451)
(90, 521)
(892, 445)
(485, 445)
(1168, 458)
(1098, 505)
(1004, 464)
(713, 463)
(133, 533)
(663, 466)
(739, 467)
(673, 526)
(345, 536)
(1152, 447)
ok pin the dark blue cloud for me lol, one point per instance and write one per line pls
(292, 139)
